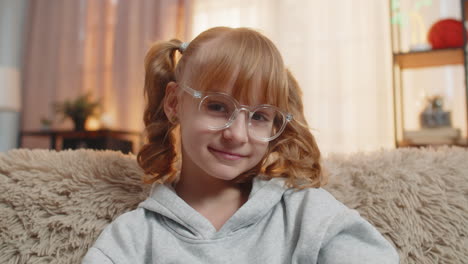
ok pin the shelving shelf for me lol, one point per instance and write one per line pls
(462, 142)
(430, 58)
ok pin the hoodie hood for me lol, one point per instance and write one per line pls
(187, 222)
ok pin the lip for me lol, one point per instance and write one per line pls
(225, 154)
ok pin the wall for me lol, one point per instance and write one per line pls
(12, 15)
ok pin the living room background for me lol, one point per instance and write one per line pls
(340, 53)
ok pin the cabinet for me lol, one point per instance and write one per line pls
(94, 139)
(430, 89)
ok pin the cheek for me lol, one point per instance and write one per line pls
(193, 131)
(188, 121)
(260, 150)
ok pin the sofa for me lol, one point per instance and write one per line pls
(53, 205)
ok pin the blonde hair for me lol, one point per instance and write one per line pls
(210, 61)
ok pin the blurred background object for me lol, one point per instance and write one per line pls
(12, 17)
(446, 33)
(340, 52)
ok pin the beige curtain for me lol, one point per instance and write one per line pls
(75, 46)
(340, 53)
(53, 60)
(140, 23)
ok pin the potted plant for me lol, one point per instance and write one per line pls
(78, 110)
(45, 123)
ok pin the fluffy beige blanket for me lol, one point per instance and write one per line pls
(53, 205)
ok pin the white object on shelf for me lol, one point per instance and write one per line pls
(420, 47)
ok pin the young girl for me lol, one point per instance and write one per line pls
(236, 171)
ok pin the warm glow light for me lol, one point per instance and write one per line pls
(107, 120)
(208, 14)
(92, 124)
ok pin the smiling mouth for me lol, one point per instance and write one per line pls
(226, 155)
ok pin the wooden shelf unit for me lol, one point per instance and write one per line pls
(423, 59)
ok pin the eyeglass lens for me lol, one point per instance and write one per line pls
(219, 110)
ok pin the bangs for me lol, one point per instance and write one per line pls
(245, 60)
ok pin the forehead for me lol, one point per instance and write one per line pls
(251, 93)
(218, 71)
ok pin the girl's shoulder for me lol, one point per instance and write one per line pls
(307, 199)
(317, 196)
(124, 239)
(128, 221)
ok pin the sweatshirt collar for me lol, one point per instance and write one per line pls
(187, 222)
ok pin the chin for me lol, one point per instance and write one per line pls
(223, 174)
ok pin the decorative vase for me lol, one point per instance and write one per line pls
(79, 123)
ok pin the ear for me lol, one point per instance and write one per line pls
(171, 101)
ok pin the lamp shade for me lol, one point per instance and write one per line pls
(10, 91)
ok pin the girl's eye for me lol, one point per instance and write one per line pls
(258, 116)
(216, 107)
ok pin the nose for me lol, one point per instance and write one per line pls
(237, 131)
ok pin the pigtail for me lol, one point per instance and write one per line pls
(158, 155)
(295, 155)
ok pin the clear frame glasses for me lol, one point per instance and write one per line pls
(220, 110)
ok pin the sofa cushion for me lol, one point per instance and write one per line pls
(54, 204)
(417, 198)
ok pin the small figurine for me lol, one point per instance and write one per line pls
(434, 115)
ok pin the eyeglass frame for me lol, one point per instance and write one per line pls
(239, 107)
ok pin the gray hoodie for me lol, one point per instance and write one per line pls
(275, 225)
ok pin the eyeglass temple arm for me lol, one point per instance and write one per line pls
(191, 91)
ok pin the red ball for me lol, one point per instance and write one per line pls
(446, 33)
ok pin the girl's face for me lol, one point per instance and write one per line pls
(222, 154)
